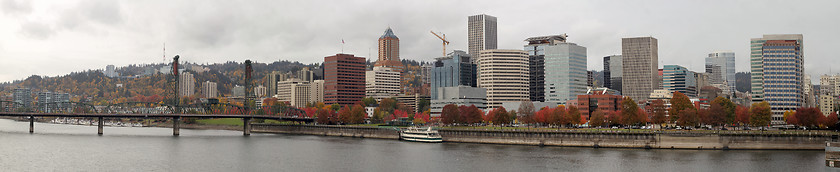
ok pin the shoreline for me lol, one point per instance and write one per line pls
(638, 140)
(558, 138)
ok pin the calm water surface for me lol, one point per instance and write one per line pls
(56, 147)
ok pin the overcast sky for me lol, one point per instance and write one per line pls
(58, 37)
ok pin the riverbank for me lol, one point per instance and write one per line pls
(155, 124)
(585, 138)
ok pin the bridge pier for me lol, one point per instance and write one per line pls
(100, 125)
(246, 130)
(31, 124)
(175, 126)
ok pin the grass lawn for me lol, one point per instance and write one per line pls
(221, 121)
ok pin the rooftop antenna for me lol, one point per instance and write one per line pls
(342, 45)
(164, 52)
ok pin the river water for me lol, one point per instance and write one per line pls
(56, 147)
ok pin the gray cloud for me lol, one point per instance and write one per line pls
(36, 30)
(97, 33)
(14, 7)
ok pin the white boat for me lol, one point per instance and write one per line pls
(421, 135)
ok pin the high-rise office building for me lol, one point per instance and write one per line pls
(676, 78)
(427, 73)
(481, 33)
(612, 72)
(725, 61)
(453, 70)
(186, 84)
(22, 97)
(504, 73)
(260, 91)
(536, 77)
(344, 79)
(389, 51)
(640, 67)
(382, 82)
(273, 78)
(777, 68)
(238, 91)
(209, 89)
(295, 91)
(829, 93)
(305, 74)
(316, 91)
(565, 74)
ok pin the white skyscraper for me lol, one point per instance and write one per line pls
(565, 66)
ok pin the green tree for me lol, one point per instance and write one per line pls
(368, 101)
(679, 102)
(388, 105)
(760, 114)
(423, 105)
(335, 107)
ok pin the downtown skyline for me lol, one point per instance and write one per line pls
(92, 34)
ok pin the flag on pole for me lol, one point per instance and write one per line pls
(342, 41)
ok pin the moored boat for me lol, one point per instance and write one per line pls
(421, 135)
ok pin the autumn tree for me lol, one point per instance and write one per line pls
(357, 114)
(388, 105)
(808, 117)
(831, 120)
(560, 117)
(630, 112)
(574, 115)
(597, 119)
(658, 108)
(450, 114)
(679, 102)
(542, 116)
(790, 117)
(716, 115)
(526, 111)
(498, 116)
(760, 114)
(688, 118)
(471, 115)
(728, 109)
(742, 115)
(344, 115)
(326, 117)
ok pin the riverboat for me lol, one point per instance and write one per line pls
(421, 135)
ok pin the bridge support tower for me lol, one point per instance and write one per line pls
(100, 125)
(246, 130)
(176, 126)
(31, 124)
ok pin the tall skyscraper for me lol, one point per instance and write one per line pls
(209, 89)
(504, 73)
(382, 82)
(725, 60)
(777, 66)
(273, 78)
(186, 85)
(389, 51)
(565, 74)
(451, 71)
(481, 33)
(344, 79)
(640, 67)
(613, 72)
(679, 79)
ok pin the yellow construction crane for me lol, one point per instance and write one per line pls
(445, 42)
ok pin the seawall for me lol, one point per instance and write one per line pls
(576, 138)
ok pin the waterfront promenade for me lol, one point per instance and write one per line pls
(644, 139)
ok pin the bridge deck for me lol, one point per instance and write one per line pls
(94, 115)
